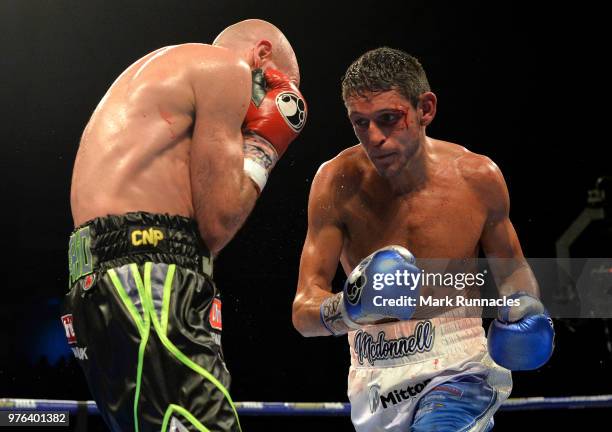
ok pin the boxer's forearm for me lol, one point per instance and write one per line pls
(232, 218)
(223, 194)
(516, 278)
(306, 313)
(258, 161)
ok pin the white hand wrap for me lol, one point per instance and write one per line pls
(259, 159)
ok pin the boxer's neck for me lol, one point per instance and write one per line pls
(417, 170)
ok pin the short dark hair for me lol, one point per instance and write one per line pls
(384, 69)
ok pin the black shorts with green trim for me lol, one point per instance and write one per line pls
(143, 318)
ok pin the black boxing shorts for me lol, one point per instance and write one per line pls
(143, 318)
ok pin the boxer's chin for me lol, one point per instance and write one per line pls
(387, 169)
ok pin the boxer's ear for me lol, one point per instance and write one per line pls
(427, 108)
(262, 52)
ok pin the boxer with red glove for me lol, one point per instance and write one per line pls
(173, 170)
(275, 117)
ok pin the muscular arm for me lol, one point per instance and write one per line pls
(522, 336)
(320, 256)
(499, 240)
(223, 196)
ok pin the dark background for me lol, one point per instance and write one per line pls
(486, 63)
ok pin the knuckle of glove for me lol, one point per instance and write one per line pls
(403, 252)
(523, 345)
(374, 291)
(280, 115)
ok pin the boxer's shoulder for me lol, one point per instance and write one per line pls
(482, 175)
(208, 60)
(193, 66)
(346, 171)
(192, 53)
(477, 171)
(472, 167)
(353, 165)
(218, 78)
(200, 51)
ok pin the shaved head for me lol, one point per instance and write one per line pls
(247, 35)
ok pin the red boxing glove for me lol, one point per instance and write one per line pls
(277, 111)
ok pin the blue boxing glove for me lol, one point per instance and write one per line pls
(522, 337)
(384, 286)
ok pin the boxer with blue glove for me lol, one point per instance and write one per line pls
(379, 289)
(411, 370)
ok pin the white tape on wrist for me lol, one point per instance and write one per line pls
(334, 316)
(256, 172)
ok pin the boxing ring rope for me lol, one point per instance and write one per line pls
(310, 408)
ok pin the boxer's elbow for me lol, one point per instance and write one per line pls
(304, 320)
(219, 225)
(297, 318)
(215, 235)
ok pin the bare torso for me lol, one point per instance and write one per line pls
(134, 152)
(442, 219)
(458, 208)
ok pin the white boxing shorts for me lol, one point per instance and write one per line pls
(424, 375)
